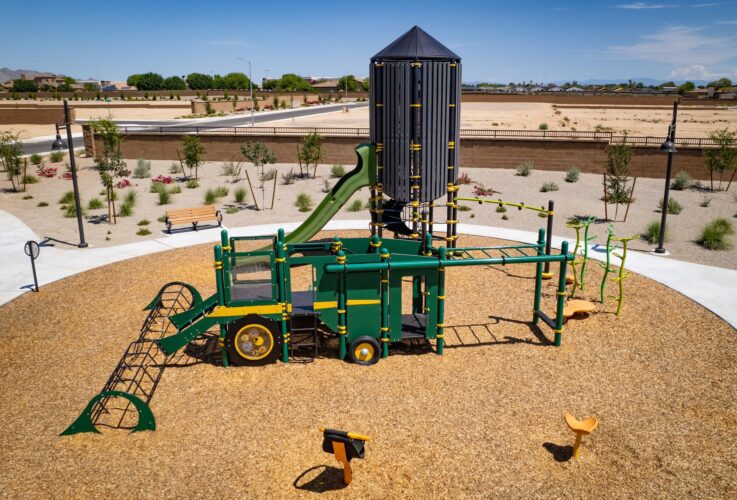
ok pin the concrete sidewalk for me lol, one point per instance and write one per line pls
(713, 287)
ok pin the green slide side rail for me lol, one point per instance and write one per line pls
(199, 323)
(363, 175)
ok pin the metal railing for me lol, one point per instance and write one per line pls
(578, 135)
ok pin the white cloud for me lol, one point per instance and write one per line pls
(734, 21)
(236, 42)
(642, 6)
(679, 45)
(692, 72)
(701, 5)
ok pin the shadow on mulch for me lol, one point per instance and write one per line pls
(483, 336)
(330, 479)
(560, 453)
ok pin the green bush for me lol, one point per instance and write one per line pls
(674, 207)
(288, 178)
(125, 210)
(337, 171)
(210, 197)
(162, 218)
(356, 206)
(303, 202)
(573, 174)
(142, 170)
(30, 179)
(95, 203)
(67, 198)
(164, 197)
(269, 175)
(714, 234)
(464, 208)
(192, 184)
(36, 159)
(42, 204)
(143, 232)
(28, 197)
(71, 210)
(221, 191)
(681, 181)
(157, 187)
(652, 232)
(144, 222)
(56, 156)
(705, 202)
(525, 169)
(548, 186)
(232, 210)
(543, 126)
(240, 195)
(501, 209)
(175, 168)
(175, 189)
(130, 197)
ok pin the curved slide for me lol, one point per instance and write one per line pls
(362, 176)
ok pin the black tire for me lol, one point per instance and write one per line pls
(364, 351)
(253, 341)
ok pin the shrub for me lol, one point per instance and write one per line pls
(356, 206)
(175, 189)
(221, 191)
(71, 210)
(28, 197)
(505, 217)
(573, 174)
(125, 210)
(681, 181)
(543, 126)
(232, 210)
(464, 179)
(288, 178)
(652, 232)
(56, 156)
(67, 198)
(95, 203)
(548, 186)
(501, 209)
(144, 222)
(714, 234)
(192, 184)
(617, 171)
(525, 169)
(542, 215)
(30, 179)
(142, 170)
(326, 186)
(464, 208)
(240, 195)
(230, 169)
(42, 204)
(163, 179)
(337, 171)
(164, 197)
(303, 202)
(269, 175)
(36, 159)
(143, 232)
(130, 197)
(705, 202)
(674, 207)
(123, 184)
(162, 218)
(482, 191)
(175, 168)
(210, 197)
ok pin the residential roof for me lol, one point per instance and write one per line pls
(416, 44)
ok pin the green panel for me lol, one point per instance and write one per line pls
(364, 319)
(431, 303)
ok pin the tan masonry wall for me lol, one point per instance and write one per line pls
(558, 155)
(38, 116)
(200, 107)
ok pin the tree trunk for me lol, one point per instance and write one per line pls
(731, 178)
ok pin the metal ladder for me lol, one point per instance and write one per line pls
(304, 335)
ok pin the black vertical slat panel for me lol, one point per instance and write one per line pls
(457, 155)
(406, 155)
(372, 101)
(390, 128)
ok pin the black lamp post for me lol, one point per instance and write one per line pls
(58, 145)
(669, 146)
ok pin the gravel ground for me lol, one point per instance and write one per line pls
(485, 419)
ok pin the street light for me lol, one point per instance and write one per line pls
(58, 145)
(668, 146)
(250, 86)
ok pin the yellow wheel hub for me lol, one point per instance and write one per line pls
(364, 351)
(254, 342)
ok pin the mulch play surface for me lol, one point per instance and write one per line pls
(485, 419)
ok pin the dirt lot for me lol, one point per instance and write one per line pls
(484, 420)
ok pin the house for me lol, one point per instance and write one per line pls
(574, 89)
(90, 83)
(115, 86)
(556, 89)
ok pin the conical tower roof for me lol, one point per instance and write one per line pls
(416, 44)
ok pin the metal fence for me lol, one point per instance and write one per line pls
(608, 137)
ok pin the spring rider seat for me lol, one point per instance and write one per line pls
(345, 446)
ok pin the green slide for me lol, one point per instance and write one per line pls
(363, 175)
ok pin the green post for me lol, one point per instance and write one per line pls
(280, 260)
(336, 245)
(441, 302)
(342, 328)
(561, 294)
(538, 275)
(428, 244)
(385, 328)
(227, 252)
(374, 243)
(586, 240)
(607, 266)
(219, 274)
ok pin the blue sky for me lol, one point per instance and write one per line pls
(498, 41)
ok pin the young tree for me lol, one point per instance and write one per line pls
(150, 81)
(236, 81)
(348, 81)
(723, 157)
(109, 162)
(194, 153)
(310, 154)
(24, 86)
(616, 177)
(259, 155)
(199, 81)
(174, 83)
(10, 157)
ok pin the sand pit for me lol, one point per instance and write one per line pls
(485, 419)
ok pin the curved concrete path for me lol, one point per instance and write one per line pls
(713, 287)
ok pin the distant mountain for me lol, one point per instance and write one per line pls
(14, 74)
(645, 81)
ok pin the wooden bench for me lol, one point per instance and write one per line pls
(192, 216)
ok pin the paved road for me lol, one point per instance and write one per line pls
(43, 145)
